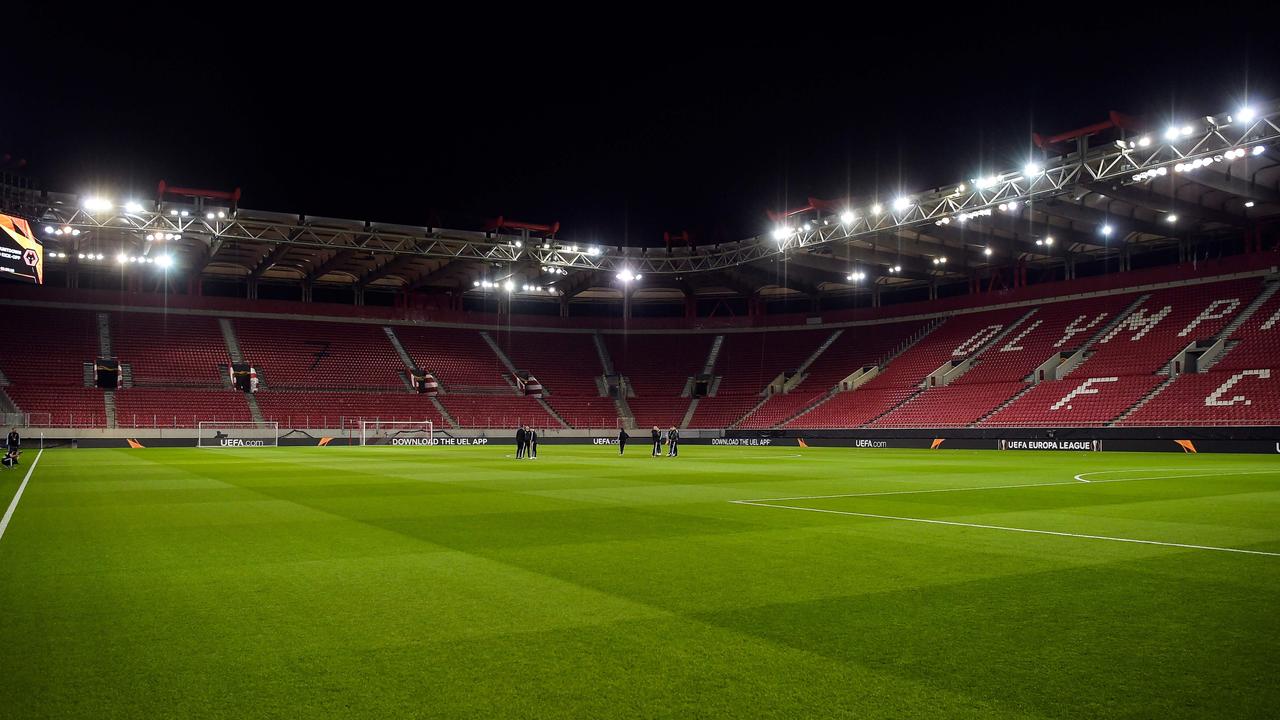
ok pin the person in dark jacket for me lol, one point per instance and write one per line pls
(532, 452)
(521, 436)
(622, 440)
(657, 442)
(673, 441)
(14, 441)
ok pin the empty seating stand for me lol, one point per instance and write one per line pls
(333, 374)
(658, 368)
(568, 367)
(957, 339)
(170, 349)
(43, 359)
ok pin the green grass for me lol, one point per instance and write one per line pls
(433, 582)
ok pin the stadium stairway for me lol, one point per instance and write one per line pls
(1145, 399)
(903, 347)
(444, 412)
(395, 343)
(1227, 336)
(104, 334)
(233, 351)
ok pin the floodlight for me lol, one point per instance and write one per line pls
(1105, 229)
(1144, 141)
(986, 251)
(1171, 218)
(1032, 169)
(97, 204)
(165, 261)
(877, 208)
(901, 204)
(847, 217)
(781, 232)
(1246, 114)
(625, 276)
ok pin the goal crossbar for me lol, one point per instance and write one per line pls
(397, 432)
(238, 434)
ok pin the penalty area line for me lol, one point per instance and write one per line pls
(1056, 533)
(13, 504)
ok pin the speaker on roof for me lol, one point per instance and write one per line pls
(424, 383)
(107, 373)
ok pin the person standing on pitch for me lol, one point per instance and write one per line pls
(13, 442)
(657, 442)
(622, 440)
(520, 439)
(673, 441)
(533, 444)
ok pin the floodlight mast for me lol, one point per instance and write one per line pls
(1186, 145)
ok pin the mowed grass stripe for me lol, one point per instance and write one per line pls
(455, 582)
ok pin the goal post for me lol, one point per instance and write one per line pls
(238, 434)
(387, 432)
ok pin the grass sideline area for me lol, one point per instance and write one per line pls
(456, 582)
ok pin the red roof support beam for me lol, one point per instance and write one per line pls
(232, 196)
(500, 223)
(1114, 120)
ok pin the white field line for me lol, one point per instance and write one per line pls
(13, 505)
(769, 502)
(1006, 487)
(1019, 530)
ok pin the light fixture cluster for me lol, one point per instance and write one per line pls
(220, 215)
(552, 270)
(1151, 174)
(1144, 141)
(1045, 241)
(64, 231)
(940, 261)
(152, 237)
(627, 276)
(1228, 155)
(510, 286)
(79, 256)
(857, 275)
(967, 216)
(164, 261)
(1009, 206)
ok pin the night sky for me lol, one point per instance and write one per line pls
(617, 133)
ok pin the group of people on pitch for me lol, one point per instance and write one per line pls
(12, 449)
(526, 443)
(670, 438)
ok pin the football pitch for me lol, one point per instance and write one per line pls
(399, 582)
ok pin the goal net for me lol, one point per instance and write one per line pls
(238, 434)
(383, 432)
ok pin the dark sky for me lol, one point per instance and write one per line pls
(619, 129)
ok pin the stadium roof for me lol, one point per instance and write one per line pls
(1111, 190)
